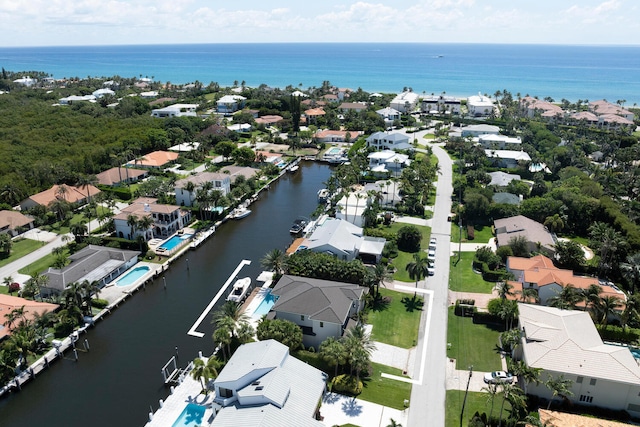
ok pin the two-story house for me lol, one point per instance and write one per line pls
(165, 219)
(219, 182)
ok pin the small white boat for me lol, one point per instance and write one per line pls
(240, 289)
(323, 195)
(240, 212)
(293, 169)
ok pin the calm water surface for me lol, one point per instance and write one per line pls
(115, 383)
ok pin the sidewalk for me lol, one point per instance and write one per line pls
(338, 410)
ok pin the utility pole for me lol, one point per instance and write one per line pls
(464, 401)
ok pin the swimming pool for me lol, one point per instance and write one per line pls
(333, 151)
(191, 416)
(265, 305)
(635, 352)
(174, 241)
(133, 275)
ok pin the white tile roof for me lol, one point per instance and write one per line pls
(567, 341)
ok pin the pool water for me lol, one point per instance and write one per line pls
(265, 305)
(635, 352)
(133, 275)
(174, 241)
(191, 416)
(334, 151)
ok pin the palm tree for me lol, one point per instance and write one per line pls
(393, 423)
(88, 290)
(232, 323)
(508, 392)
(504, 290)
(78, 230)
(526, 373)
(222, 337)
(14, 317)
(632, 268)
(591, 297)
(631, 311)
(275, 260)
(380, 273)
(492, 390)
(189, 187)
(418, 269)
(559, 387)
(358, 347)
(200, 372)
(332, 350)
(608, 307)
(566, 299)
(144, 224)
(132, 222)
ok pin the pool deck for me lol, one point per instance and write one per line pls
(189, 391)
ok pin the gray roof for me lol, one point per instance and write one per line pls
(291, 387)
(337, 233)
(519, 225)
(391, 137)
(91, 263)
(321, 300)
(506, 198)
(502, 179)
(567, 341)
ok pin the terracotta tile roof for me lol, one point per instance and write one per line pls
(155, 159)
(72, 195)
(538, 261)
(268, 119)
(12, 220)
(117, 175)
(9, 303)
(315, 112)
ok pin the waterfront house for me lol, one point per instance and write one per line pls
(321, 308)
(389, 141)
(532, 107)
(435, 104)
(154, 160)
(263, 385)
(352, 205)
(405, 102)
(344, 240)
(13, 222)
(477, 130)
(219, 181)
(540, 274)
(175, 110)
(330, 136)
(93, 263)
(229, 104)
(480, 106)
(387, 162)
(120, 175)
(566, 343)
(537, 236)
(30, 308)
(507, 158)
(69, 193)
(166, 219)
(604, 107)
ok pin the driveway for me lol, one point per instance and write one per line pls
(338, 410)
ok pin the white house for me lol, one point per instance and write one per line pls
(166, 219)
(405, 102)
(477, 130)
(389, 141)
(435, 104)
(230, 104)
(76, 98)
(507, 158)
(502, 179)
(176, 110)
(390, 115)
(26, 81)
(263, 385)
(219, 181)
(566, 343)
(351, 207)
(480, 106)
(387, 162)
(502, 142)
(103, 92)
(322, 308)
(344, 240)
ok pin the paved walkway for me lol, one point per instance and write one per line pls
(338, 410)
(482, 300)
(414, 221)
(397, 357)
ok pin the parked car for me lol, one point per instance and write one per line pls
(498, 377)
(432, 241)
(431, 254)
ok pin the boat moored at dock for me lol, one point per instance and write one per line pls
(240, 289)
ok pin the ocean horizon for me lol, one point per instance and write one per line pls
(587, 72)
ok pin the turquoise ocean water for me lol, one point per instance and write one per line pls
(571, 72)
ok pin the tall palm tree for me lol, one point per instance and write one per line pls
(275, 260)
(607, 308)
(631, 311)
(200, 372)
(332, 350)
(504, 290)
(231, 317)
(591, 297)
(222, 337)
(132, 222)
(418, 269)
(560, 386)
(381, 274)
(358, 347)
(509, 391)
(632, 268)
(492, 391)
(526, 373)
(144, 224)
(88, 289)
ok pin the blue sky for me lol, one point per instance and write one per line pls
(93, 22)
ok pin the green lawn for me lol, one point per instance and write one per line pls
(396, 323)
(462, 278)
(483, 233)
(394, 227)
(385, 391)
(429, 136)
(58, 228)
(40, 265)
(472, 344)
(475, 402)
(20, 248)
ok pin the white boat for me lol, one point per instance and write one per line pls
(240, 212)
(293, 169)
(240, 289)
(323, 195)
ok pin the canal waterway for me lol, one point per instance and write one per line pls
(120, 378)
